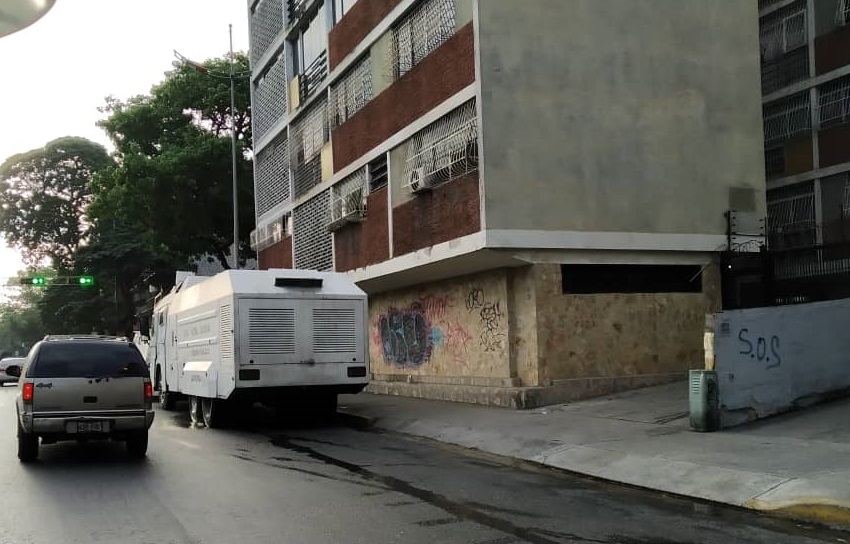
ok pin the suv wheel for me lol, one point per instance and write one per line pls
(27, 446)
(137, 444)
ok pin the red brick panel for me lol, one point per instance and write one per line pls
(433, 217)
(834, 145)
(360, 244)
(276, 256)
(360, 20)
(442, 74)
(832, 50)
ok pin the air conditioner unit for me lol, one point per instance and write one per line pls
(704, 400)
(416, 179)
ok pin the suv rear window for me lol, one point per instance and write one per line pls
(87, 360)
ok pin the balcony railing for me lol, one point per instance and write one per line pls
(313, 76)
(295, 9)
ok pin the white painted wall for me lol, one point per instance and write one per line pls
(770, 360)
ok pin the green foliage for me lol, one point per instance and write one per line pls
(163, 200)
(172, 180)
(43, 195)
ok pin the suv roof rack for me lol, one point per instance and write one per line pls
(50, 337)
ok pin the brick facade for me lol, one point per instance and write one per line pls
(276, 256)
(442, 74)
(361, 19)
(360, 244)
(433, 217)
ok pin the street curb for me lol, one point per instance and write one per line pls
(835, 516)
(831, 514)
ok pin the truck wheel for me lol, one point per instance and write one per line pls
(166, 400)
(211, 410)
(137, 444)
(195, 409)
(27, 446)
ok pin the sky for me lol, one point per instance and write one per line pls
(56, 73)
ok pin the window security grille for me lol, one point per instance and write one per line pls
(783, 31)
(842, 14)
(272, 175)
(348, 199)
(313, 244)
(269, 101)
(845, 203)
(422, 31)
(266, 23)
(445, 150)
(791, 216)
(295, 9)
(788, 118)
(764, 4)
(834, 102)
(351, 93)
(268, 235)
(308, 135)
(774, 162)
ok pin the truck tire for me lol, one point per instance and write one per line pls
(27, 446)
(212, 411)
(195, 414)
(137, 444)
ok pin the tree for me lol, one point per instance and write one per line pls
(173, 174)
(43, 195)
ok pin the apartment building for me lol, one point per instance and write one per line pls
(805, 51)
(533, 193)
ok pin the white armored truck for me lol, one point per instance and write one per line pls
(279, 337)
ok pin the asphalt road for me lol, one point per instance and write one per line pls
(300, 482)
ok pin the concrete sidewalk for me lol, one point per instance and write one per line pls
(797, 465)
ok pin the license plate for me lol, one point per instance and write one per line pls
(92, 426)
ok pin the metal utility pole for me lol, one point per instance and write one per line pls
(233, 156)
(232, 76)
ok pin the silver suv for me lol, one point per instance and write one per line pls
(83, 388)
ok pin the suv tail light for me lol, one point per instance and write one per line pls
(148, 391)
(26, 396)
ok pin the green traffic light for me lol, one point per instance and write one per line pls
(38, 281)
(86, 281)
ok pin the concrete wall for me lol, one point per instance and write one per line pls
(639, 337)
(454, 331)
(615, 115)
(770, 360)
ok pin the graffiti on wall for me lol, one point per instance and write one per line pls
(450, 326)
(490, 314)
(405, 336)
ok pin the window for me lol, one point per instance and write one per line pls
(104, 359)
(787, 119)
(341, 7)
(774, 162)
(421, 32)
(378, 173)
(834, 102)
(444, 150)
(842, 15)
(791, 216)
(352, 92)
(310, 54)
(783, 31)
(582, 279)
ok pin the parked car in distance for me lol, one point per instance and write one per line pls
(5, 362)
(83, 388)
